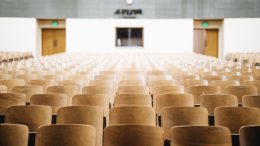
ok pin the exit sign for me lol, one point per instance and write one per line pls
(205, 24)
(54, 23)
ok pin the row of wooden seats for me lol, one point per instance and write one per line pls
(127, 135)
(6, 57)
(196, 91)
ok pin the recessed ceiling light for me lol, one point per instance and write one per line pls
(129, 2)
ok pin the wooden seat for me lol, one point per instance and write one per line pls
(255, 83)
(69, 90)
(251, 100)
(132, 99)
(167, 90)
(240, 91)
(249, 136)
(107, 90)
(168, 100)
(133, 135)
(28, 91)
(236, 117)
(101, 100)
(88, 115)
(135, 115)
(131, 83)
(5, 77)
(11, 99)
(77, 83)
(196, 91)
(214, 77)
(178, 116)
(211, 101)
(12, 83)
(14, 135)
(188, 83)
(155, 83)
(224, 83)
(54, 100)
(31, 116)
(65, 135)
(133, 90)
(200, 136)
(52, 77)
(3, 89)
(44, 83)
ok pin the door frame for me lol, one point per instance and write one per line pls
(47, 24)
(51, 29)
(213, 24)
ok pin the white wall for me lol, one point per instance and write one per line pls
(242, 35)
(96, 35)
(18, 34)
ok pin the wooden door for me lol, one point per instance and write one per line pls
(53, 41)
(211, 42)
(199, 41)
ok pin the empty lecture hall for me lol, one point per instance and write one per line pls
(129, 72)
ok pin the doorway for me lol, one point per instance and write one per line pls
(53, 41)
(208, 37)
(206, 42)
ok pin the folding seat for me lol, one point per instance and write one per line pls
(106, 77)
(178, 116)
(54, 100)
(84, 78)
(196, 91)
(188, 83)
(101, 100)
(236, 117)
(69, 90)
(31, 116)
(107, 90)
(200, 136)
(44, 83)
(12, 83)
(36, 75)
(242, 78)
(167, 90)
(155, 83)
(103, 83)
(249, 136)
(25, 77)
(211, 101)
(3, 89)
(133, 135)
(77, 83)
(28, 91)
(256, 73)
(251, 100)
(156, 72)
(66, 135)
(240, 91)
(5, 77)
(14, 135)
(132, 99)
(88, 115)
(132, 83)
(134, 115)
(214, 77)
(190, 77)
(224, 83)
(168, 100)
(11, 99)
(255, 83)
(53, 77)
(133, 90)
